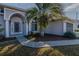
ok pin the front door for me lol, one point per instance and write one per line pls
(16, 28)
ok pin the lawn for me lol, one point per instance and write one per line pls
(14, 48)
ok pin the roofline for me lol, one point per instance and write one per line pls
(11, 7)
(76, 20)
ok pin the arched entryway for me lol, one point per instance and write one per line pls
(17, 25)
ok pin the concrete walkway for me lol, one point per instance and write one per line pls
(31, 43)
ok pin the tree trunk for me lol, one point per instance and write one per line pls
(41, 32)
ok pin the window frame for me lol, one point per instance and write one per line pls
(68, 27)
(1, 10)
(12, 28)
(15, 26)
(78, 26)
(34, 24)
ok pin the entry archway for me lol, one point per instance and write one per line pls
(17, 24)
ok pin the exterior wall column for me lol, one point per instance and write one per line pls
(7, 28)
(26, 28)
(74, 27)
(64, 27)
(30, 26)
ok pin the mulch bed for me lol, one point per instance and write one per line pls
(7, 39)
(51, 38)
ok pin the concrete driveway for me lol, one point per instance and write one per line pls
(40, 44)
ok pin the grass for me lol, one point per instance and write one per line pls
(14, 48)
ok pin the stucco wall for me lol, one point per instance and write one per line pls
(9, 12)
(55, 28)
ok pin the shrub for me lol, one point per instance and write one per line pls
(10, 38)
(69, 35)
(36, 34)
(2, 37)
(30, 36)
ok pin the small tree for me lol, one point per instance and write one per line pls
(41, 14)
(31, 14)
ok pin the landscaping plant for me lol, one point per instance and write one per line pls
(70, 35)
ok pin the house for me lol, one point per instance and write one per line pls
(13, 22)
(71, 10)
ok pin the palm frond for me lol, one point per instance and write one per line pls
(31, 13)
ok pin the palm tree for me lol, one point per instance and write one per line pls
(44, 14)
(45, 9)
(31, 14)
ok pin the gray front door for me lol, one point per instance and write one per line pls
(16, 28)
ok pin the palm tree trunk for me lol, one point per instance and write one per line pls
(41, 31)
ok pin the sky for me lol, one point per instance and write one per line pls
(71, 10)
(21, 5)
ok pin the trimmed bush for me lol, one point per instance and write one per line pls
(2, 37)
(69, 35)
(30, 36)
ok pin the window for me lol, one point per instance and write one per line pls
(1, 10)
(16, 27)
(69, 27)
(34, 26)
(78, 26)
